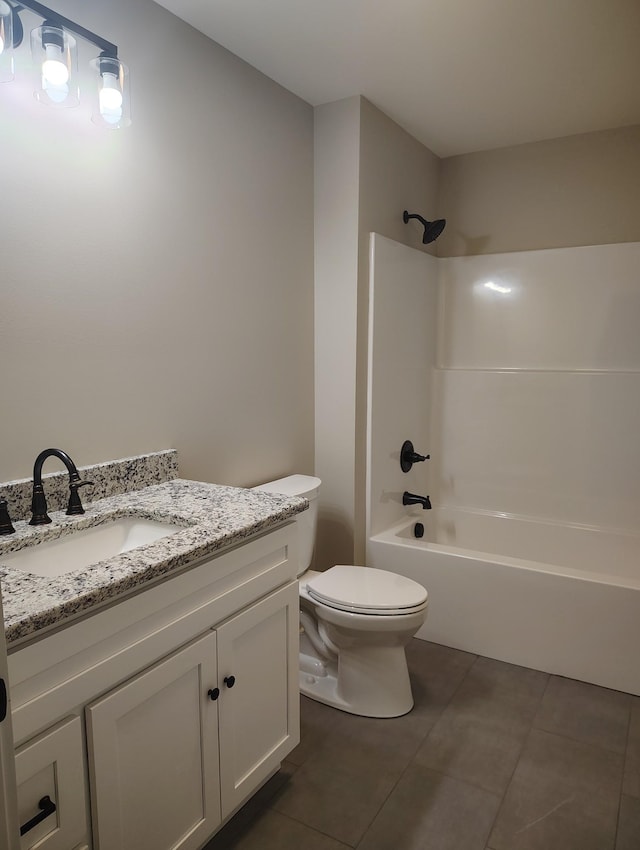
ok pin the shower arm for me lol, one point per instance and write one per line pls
(407, 215)
(432, 229)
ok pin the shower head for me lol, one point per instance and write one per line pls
(432, 229)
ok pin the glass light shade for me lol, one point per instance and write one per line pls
(6, 43)
(112, 103)
(55, 55)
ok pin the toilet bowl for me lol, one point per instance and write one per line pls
(355, 623)
(364, 618)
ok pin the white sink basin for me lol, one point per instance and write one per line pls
(82, 549)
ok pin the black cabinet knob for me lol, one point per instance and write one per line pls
(213, 693)
(229, 681)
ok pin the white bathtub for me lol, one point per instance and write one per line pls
(559, 598)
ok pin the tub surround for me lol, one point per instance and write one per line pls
(539, 430)
(531, 553)
(214, 517)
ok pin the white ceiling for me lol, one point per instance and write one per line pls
(460, 75)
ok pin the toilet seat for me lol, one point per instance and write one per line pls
(364, 590)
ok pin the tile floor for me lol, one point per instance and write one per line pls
(492, 757)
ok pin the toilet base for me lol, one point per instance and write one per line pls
(319, 681)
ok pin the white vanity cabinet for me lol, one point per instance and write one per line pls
(185, 697)
(178, 748)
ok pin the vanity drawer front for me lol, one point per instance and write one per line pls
(52, 766)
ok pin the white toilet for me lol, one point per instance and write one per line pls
(356, 622)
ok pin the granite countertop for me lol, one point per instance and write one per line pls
(214, 517)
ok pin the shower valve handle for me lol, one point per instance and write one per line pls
(408, 456)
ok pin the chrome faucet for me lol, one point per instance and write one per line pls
(39, 515)
(412, 499)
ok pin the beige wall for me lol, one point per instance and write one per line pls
(157, 282)
(396, 173)
(337, 152)
(368, 170)
(579, 190)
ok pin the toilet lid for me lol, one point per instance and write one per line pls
(365, 590)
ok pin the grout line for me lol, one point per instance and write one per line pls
(517, 761)
(313, 829)
(550, 676)
(381, 807)
(624, 772)
(499, 797)
(508, 784)
(581, 740)
(418, 746)
(588, 744)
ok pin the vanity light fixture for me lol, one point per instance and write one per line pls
(54, 51)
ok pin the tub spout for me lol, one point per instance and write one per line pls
(412, 499)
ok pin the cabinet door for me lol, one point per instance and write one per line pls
(153, 755)
(259, 708)
(51, 767)
(9, 836)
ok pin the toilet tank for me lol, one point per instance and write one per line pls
(306, 486)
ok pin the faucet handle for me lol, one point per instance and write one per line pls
(408, 456)
(5, 519)
(75, 505)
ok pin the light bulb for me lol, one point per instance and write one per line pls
(110, 95)
(111, 106)
(54, 70)
(58, 94)
(111, 116)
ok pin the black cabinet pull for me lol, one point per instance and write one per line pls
(47, 807)
(229, 681)
(213, 693)
(4, 700)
